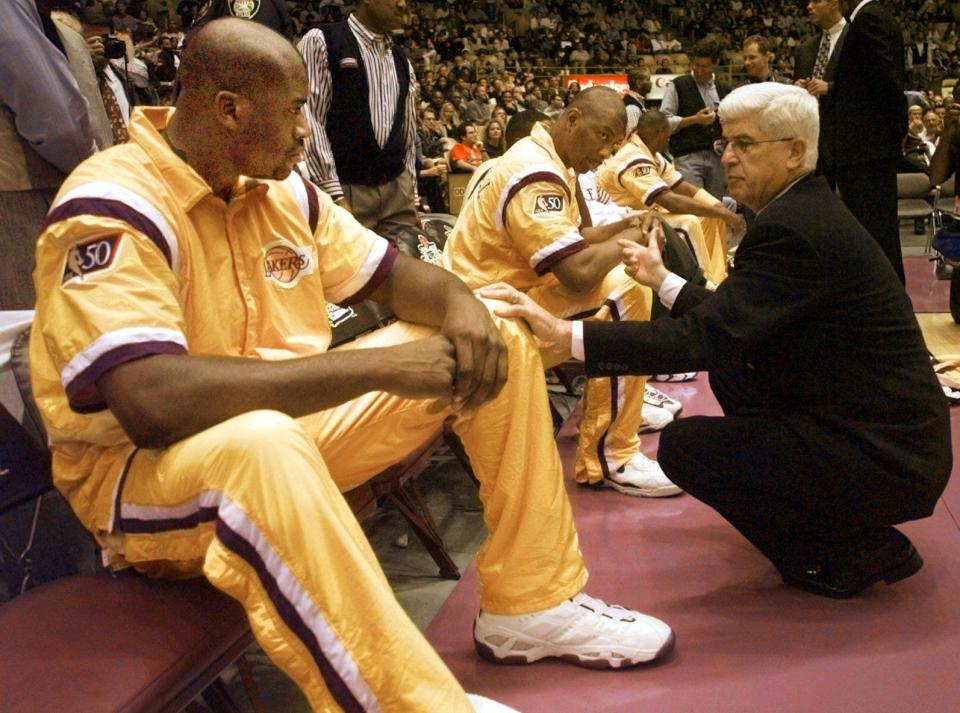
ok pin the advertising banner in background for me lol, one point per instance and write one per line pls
(619, 82)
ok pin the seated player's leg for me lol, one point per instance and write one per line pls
(250, 503)
(530, 560)
(608, 451)
(711, 254)
(530, 568)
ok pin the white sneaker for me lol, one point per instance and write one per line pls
(680, 376)
(485, 705)
(642, 477)
(582, 630)
(655, 397)
(654, 418)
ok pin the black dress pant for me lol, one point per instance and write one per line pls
(869, 190)
(762, 477)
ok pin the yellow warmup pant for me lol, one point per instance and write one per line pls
(708, 236)
(254, 504)
(611, 406)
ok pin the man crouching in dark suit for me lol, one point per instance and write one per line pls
(835, 428)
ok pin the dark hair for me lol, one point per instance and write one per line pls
(462, 130)
(763, 44)
(706, 48)
(635, 75)
(521, 124)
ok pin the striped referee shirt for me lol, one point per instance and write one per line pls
(376, 53)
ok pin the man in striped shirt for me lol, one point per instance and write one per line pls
(362, 116)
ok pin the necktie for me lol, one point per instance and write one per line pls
(114, 113)
(823, 56)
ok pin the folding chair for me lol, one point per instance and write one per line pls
(914, 197)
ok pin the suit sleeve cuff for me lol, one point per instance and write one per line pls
(672, 284)
(576, 341)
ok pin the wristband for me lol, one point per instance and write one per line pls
(704, 196)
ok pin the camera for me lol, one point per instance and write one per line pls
(114, 48)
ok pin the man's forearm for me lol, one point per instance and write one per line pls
(676, 203)
(419, 292)
(164, 398)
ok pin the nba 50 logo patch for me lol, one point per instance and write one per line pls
(548, 203)
(91, 256)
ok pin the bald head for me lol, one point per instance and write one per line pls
(230, 54)
(240, 109)
(599, 102)
(586, 132)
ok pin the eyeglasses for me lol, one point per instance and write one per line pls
(741, 146)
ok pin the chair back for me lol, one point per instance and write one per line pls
(913, 185)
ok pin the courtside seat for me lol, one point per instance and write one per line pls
(97, 644)
(913, 197)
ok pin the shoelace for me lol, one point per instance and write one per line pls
(598, 606)
(655, 398)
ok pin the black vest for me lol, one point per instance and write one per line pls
(630, 100)
(358, 156)
(697, 137)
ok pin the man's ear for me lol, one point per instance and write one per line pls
(798, 149)
(232, 110)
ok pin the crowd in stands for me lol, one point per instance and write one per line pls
(531, 44)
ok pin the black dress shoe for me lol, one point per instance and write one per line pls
(845, 571)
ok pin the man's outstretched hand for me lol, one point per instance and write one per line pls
(550, 332)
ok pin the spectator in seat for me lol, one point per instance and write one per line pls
(478, 109)
(494, 142)
(449, 119)
(468, 152)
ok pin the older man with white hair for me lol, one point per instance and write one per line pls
(834, 425)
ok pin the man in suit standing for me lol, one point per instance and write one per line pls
(834, 427)
(866, 116)
(815, 65)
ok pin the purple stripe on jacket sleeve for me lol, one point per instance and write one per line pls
(84, 394)
(376, 279)
(544, 266)
(107, 208)
(313, 204)
(653, 195)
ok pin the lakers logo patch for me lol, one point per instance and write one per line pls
(548, 203)
(245, 9)
(91, 256)
(642, 171)
(286, 264)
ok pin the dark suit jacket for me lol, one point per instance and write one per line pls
(812, 328)
(805, 59)
(869, 109)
